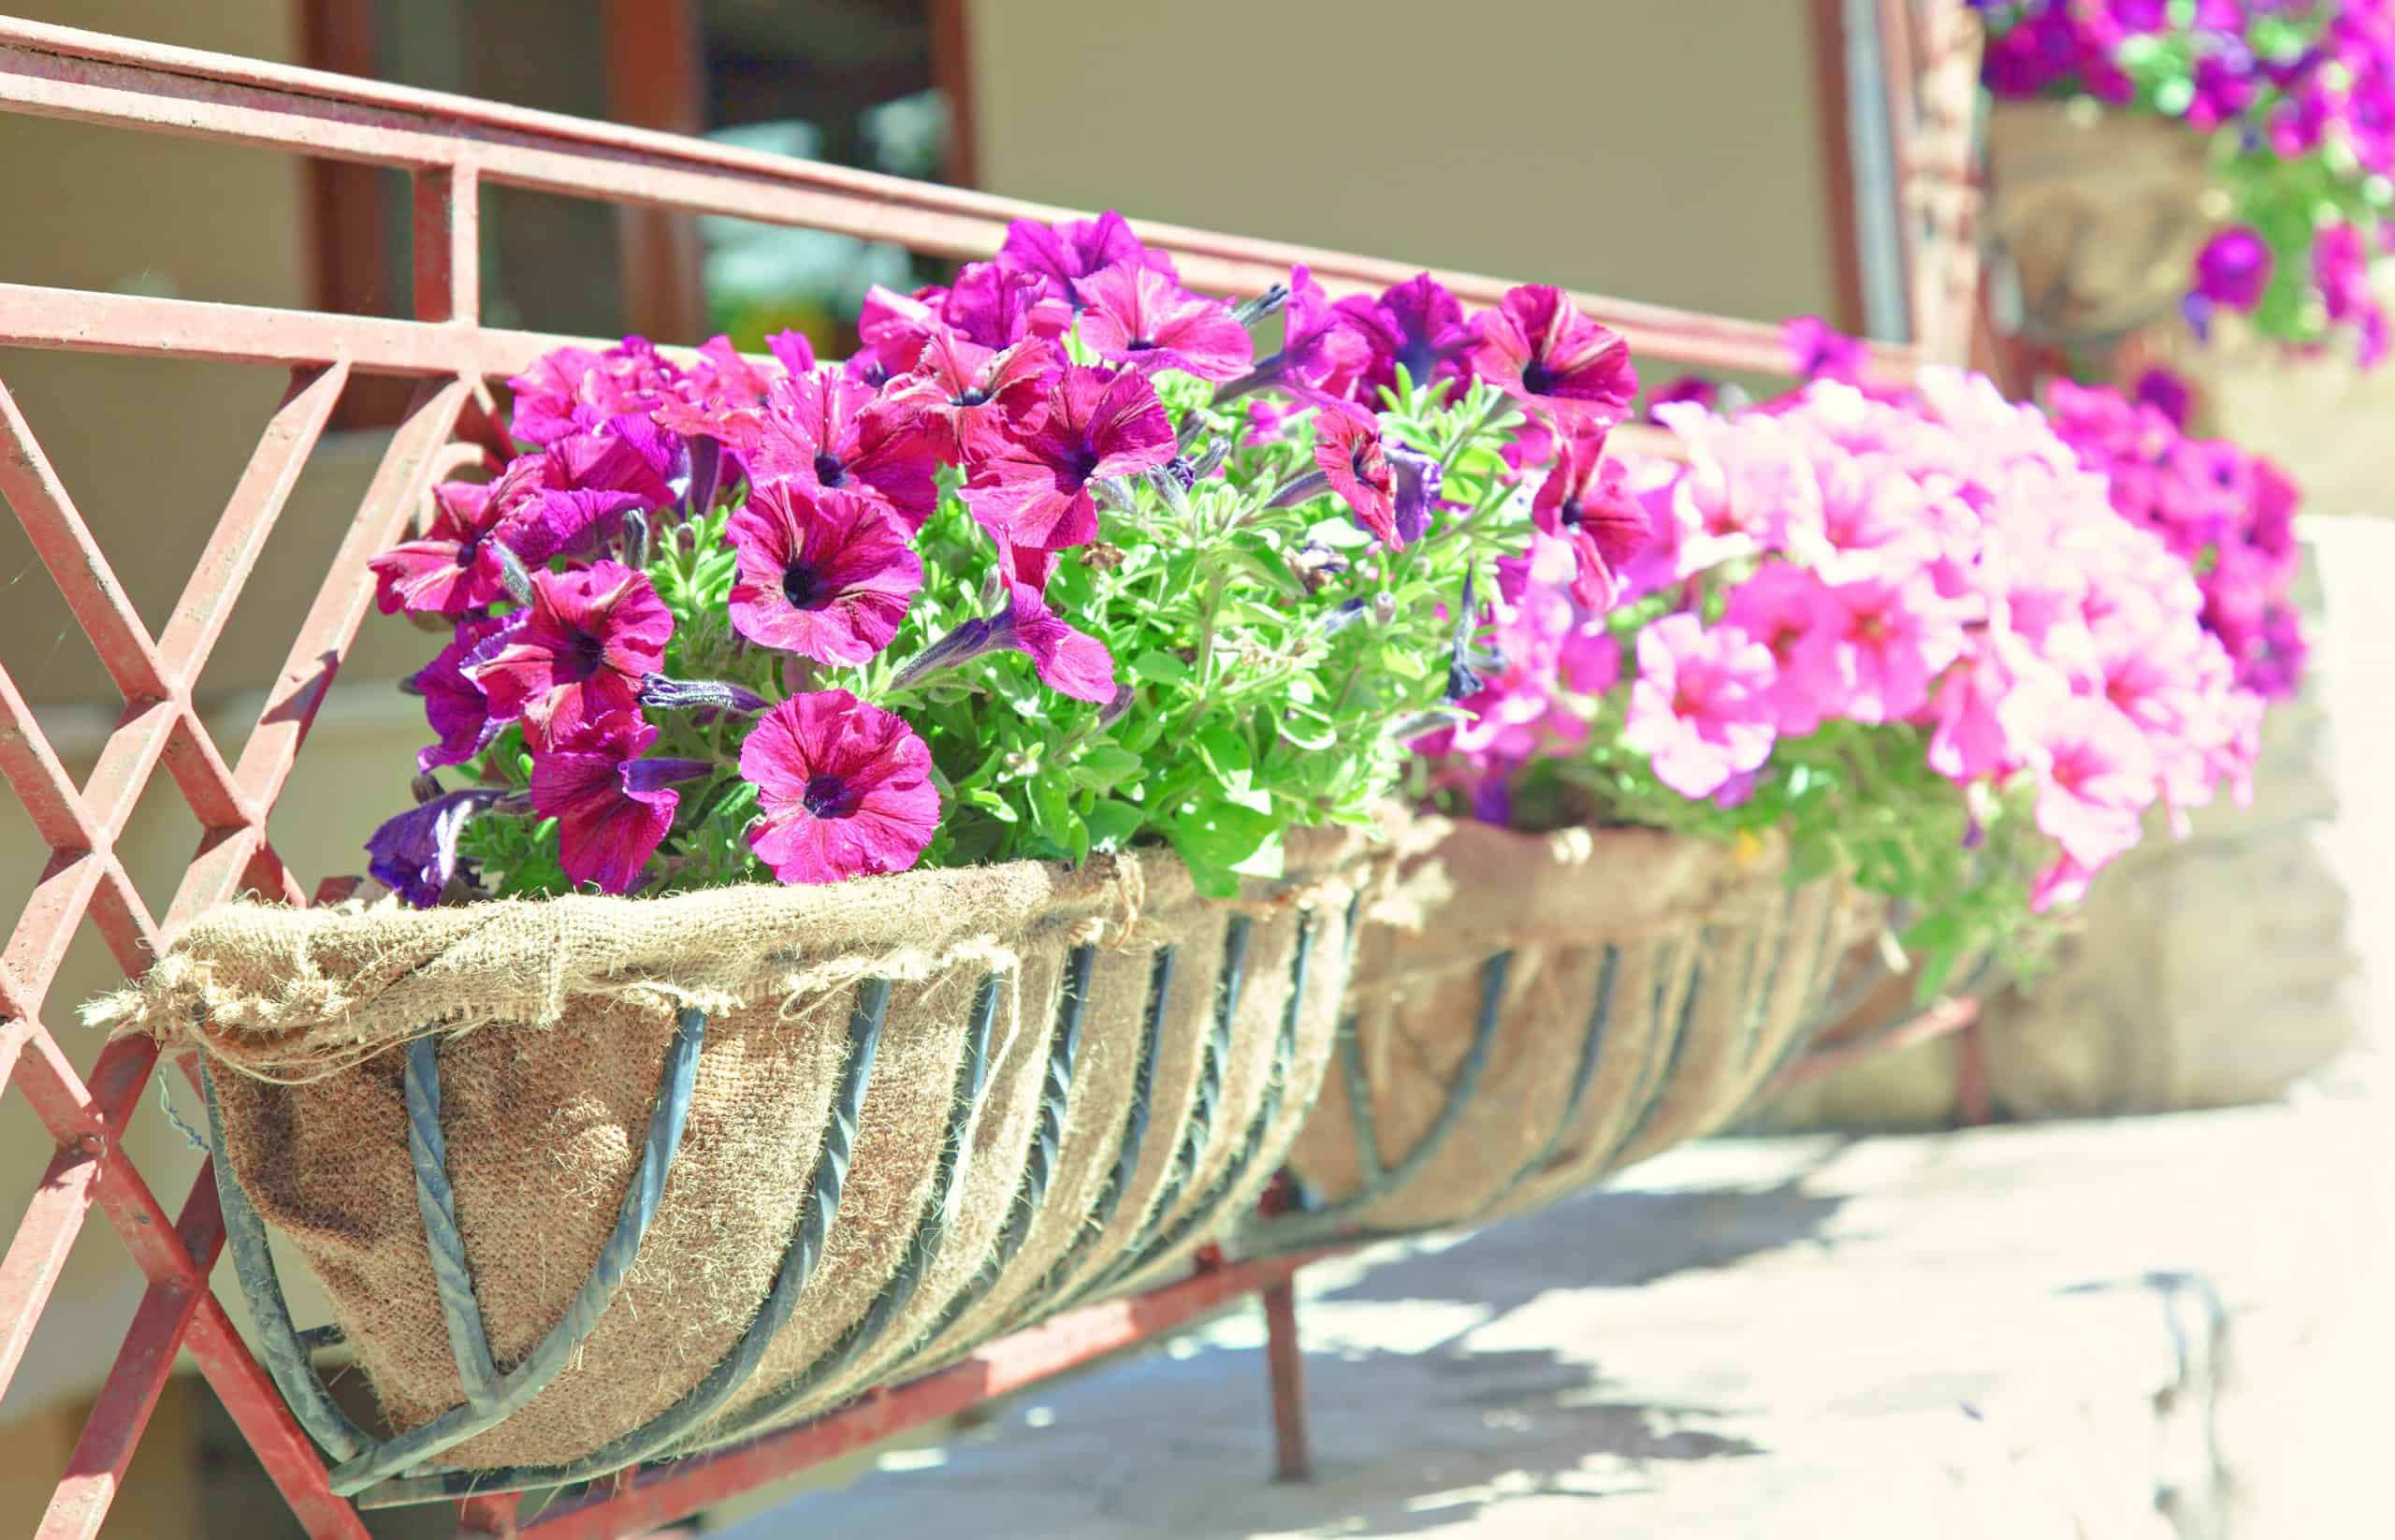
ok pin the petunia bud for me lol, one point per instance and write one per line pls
(636, 534)
(1265, 304)
(512, 572)
(661, 693)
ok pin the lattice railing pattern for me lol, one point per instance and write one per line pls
(449, 147)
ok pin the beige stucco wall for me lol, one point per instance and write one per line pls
(1662, 153)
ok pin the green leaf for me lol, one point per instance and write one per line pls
(1111, 823)
(1159, 668)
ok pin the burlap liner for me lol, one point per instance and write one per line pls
(1718, 970)
(554, 1018)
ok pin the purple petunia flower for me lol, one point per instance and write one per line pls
(1140, 319)
(1818, 351)
(1096, 424)
(842, 787)
(415, 853)
(1062, 254)
(1540, 349)
(612, 806)
(1417, 324)
(827, 576)
(587, 640)
(456, 707)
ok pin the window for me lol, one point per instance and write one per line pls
(876, 84)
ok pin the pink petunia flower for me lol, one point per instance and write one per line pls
(1063, 253)
(1140, 319)
(2095, 780)
(1782, 607)
(1347, 448)
(827, 576)
(842, 787)
(1699, 707)
(1587, 501)
(1882, 643)
(825, 430)
(964, 396)
(1540, 349)
(589, 638)
(612, 806)
(1097, 423)
(989, 306)
(454, 567)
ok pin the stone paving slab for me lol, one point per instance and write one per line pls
(2168, 1327)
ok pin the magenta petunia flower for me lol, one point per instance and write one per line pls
(842, 787)
(1062, 254)
(456, 707)
(1699, 708)
(1818, 351)
(1096, 423)
(1587, 501)
(588, 637)
(964, 396)
(825, 430)
(1347, 448)
(1141, 319)
(827, 576)
(565, 392)
(1539, 348)
(612, 806)
(454, 567)
(2234, 269)
(1068, 662)
(1693, 388)
(1417, 324)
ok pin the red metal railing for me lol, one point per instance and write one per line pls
(449, 147)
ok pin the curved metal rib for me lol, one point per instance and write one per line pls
(1198, 1131)
(708, 1397)
(1208, 1210)
(1651, 1093)
(1301, 1229)
(1126, 1158)
(1039, 1164)
(550, 1356)
(284, 1349)
(1584, 1074)
(435, 1204)
(930, 1235)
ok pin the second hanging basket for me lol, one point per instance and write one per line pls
(1527, 1012)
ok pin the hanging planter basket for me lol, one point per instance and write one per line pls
(2099, 216)
(592, 1182)
(1529, 1013)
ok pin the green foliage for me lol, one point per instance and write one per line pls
(1276, 660)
